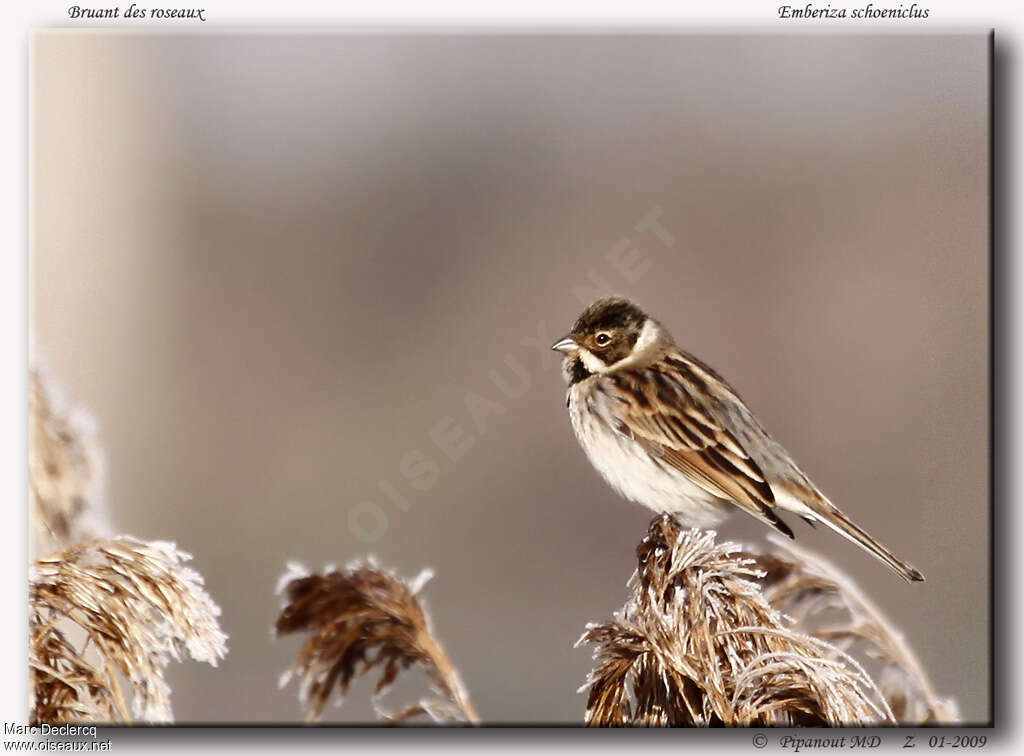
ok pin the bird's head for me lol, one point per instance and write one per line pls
(609, 333)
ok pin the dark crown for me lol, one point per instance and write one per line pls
(610, 313)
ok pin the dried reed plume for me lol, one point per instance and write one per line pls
(100, 611)
(359, 619)
(65, 469)
(704, 640)
(138, 607)
(808, 589)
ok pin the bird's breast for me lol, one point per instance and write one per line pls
(631, 470)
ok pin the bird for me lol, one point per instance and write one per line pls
(668, 432)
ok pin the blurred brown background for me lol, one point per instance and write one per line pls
(273, 266)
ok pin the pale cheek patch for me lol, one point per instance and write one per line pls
(591, 362)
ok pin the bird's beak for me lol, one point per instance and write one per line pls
(565, 345)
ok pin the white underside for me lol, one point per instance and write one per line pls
(631, 471)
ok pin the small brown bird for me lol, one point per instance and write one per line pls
(668, 432)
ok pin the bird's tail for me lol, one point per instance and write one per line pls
(835, 519)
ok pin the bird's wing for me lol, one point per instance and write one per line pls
(667, 407)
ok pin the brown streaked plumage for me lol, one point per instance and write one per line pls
(667, 431)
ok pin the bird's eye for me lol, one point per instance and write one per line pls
(603, 339)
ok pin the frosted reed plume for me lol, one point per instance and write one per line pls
(66, 473)
(106, 614)
(704, 640)
(138, 606)
(358, 620)
(808, 589)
